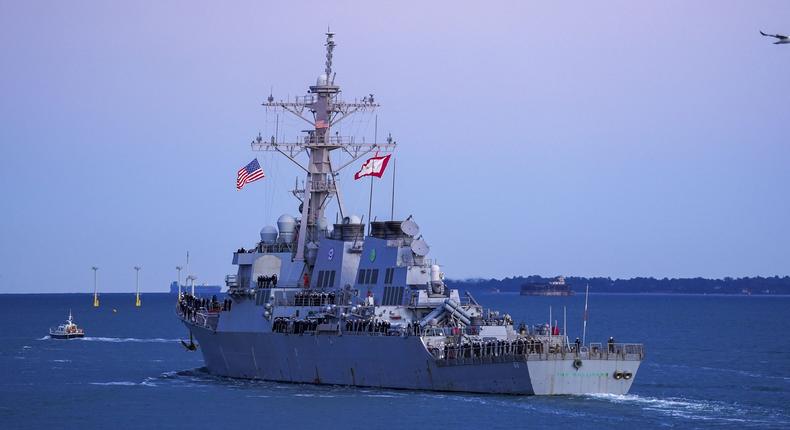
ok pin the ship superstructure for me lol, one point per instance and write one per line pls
(312, 302)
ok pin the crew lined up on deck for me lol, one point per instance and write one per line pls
(286, 325)
(492, 348)
(267, 281)
(304, 298)
(518, 347)
(189, 305)
(368, 326)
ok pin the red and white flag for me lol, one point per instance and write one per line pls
(373, 167)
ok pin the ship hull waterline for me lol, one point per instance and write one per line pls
(66, 336)
(395, 362)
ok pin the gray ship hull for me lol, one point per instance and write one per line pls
(398, 363)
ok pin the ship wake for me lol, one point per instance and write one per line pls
(698, 410)
(127, 339)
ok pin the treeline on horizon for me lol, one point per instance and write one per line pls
(748, 285)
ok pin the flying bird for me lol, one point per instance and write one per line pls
(781, 38)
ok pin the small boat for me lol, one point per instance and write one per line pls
(69, 330)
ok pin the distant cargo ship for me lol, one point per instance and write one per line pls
(557, 287)
(199, 289)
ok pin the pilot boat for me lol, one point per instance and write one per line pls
(69, 330)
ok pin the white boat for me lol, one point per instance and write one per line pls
(69, 330)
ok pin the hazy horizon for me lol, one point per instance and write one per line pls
(611, 139)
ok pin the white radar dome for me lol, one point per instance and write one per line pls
(285, 221)
(268, 234)
(287, 226)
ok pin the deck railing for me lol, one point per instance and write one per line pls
(202, 317)
(468, 354)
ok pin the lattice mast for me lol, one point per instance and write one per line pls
(322, 109)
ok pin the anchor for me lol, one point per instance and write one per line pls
(191, 346)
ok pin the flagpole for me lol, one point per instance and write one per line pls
(392, 203)
(370, 196)
(584, 328)
(370, 203)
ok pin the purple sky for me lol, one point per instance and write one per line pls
(581, 138)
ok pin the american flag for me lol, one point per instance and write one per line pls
(249, 173)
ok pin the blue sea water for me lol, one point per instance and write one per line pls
(712, 362)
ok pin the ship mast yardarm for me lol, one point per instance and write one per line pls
(322, 108)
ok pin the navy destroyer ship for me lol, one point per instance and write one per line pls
(317, 303)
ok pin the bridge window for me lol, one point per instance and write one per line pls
(366, 276)
(393, 296)
(331, 282)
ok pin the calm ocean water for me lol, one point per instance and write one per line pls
(712, 362)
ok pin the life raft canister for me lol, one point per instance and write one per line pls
(577, 363)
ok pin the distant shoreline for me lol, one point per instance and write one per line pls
(475, 291)
(774, 286)
(747, 286)
(516, 293)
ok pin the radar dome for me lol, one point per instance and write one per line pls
(287, 226)
(268, 234)
(323, 79)
(354, 219)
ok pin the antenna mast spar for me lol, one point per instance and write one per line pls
(322, 109)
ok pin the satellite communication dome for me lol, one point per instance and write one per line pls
(323, 79)
(284, 221)
(268, 234)
(287, 226)
(354, 219)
